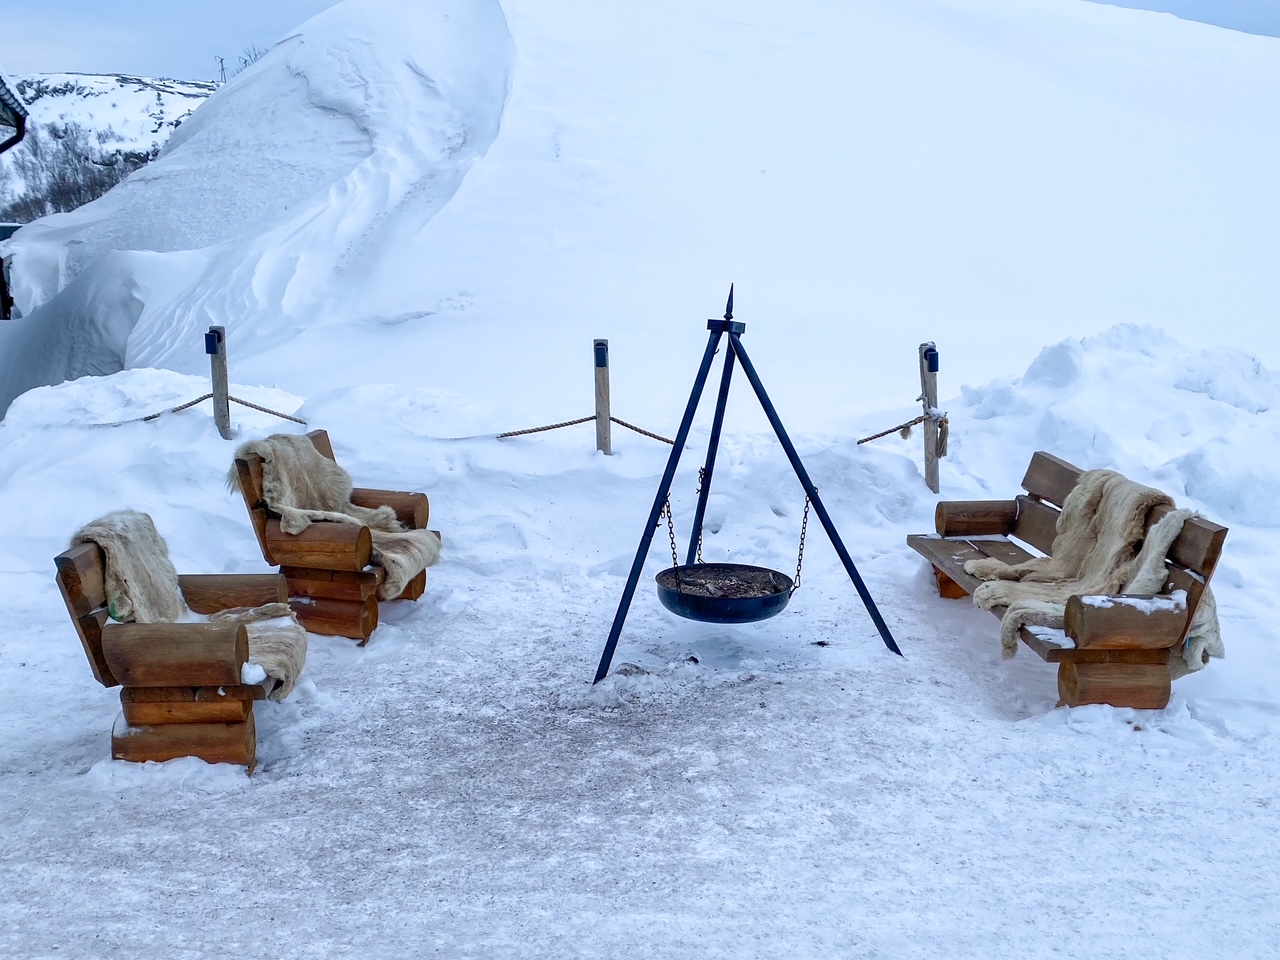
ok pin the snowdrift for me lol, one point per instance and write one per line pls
(872, 175)
(343, 140)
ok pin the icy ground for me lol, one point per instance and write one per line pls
(786, 789)
(412, 218)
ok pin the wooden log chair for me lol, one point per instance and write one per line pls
(1124, 646)
(334, 586)
(182, 689)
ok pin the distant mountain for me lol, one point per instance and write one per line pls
(86, 134)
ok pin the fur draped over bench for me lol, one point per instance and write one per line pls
(1113, 565)
(1102, 546)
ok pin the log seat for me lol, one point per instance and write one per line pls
(1123, 645)
(333, 586)
(182, 693)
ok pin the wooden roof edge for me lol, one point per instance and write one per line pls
(10, 103)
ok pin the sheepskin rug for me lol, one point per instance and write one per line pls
(1102, 546)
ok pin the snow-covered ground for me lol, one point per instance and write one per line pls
(784, 789)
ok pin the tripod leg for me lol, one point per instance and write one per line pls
(812, 491)
(664, 488)
(717, 424)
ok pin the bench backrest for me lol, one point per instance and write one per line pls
(250, 473)
(1192, 559)
(82, 580)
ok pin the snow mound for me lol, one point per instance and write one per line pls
(346, 138)
(1192, 422)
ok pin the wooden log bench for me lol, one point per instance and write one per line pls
(333, 585)
(182, 689)
(1123, 645)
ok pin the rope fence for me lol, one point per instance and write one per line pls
(573, 423)
(191, 403)
(215, 346)
(903, 428)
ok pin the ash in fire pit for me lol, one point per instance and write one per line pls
(731, 580)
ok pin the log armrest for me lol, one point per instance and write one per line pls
(209, 593)
(976, 518)
(1126, 621)
(412, 509)
(176, 654)
(322, 546)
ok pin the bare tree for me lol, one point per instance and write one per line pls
(63, 167)
(252, 54)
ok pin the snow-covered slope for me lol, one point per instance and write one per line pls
(117, 118)
(274, 200)
(872, 175)
(131, 113)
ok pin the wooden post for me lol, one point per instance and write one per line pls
(604, 427)
(215, 345)
(929, 397)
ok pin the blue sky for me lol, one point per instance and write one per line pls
(1250, 16)
(167, 38)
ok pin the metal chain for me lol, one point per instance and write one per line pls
(671, 532)
(804, 532)
(702, 477)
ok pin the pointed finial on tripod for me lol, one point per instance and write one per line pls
(728, 307)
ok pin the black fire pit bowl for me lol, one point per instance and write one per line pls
(723, 592)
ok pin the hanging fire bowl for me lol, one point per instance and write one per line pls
(723, 592)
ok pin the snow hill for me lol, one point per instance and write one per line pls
(872, 175)
(412, 218)
(118, 118)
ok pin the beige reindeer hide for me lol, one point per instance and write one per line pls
(303, 486)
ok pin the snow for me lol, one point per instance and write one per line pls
(251, 673)
(786, 788)
(1054, 636)
(1174, 602)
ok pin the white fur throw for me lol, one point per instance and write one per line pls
(141, 583)
(1102, 547)
(277, 641)
(302, 486)
(142, 587)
